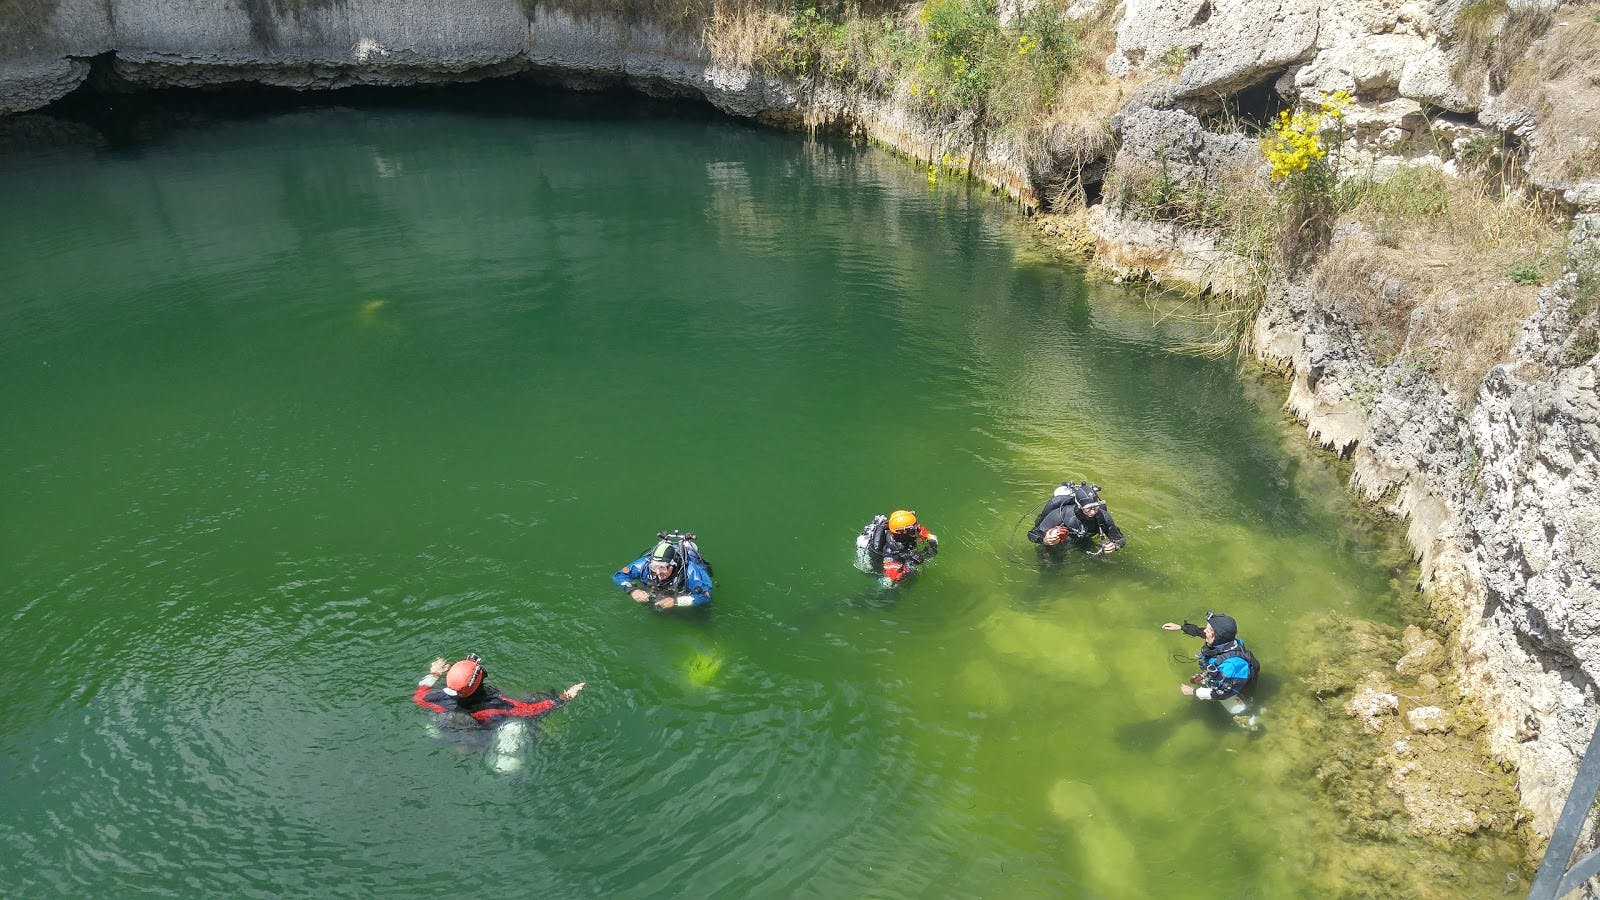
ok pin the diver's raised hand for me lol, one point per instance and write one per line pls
(573, 691)
(439, 667)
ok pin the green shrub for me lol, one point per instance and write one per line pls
(961, 58)
(1409, 194)
(952, 59)
(1298, 147)
(1526, 271)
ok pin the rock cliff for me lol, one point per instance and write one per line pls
(1499, 489)
(325, 44)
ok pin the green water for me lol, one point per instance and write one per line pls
(294, 403)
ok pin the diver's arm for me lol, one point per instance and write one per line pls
(539, 704)
(526, 709)
(425, 687)
(1036, 533)
(1054, 513)
(631, 578)
(1114, 536)
(629, 575)
(699, 585)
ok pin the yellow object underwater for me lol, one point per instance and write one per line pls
(374, 316)
(704, 668)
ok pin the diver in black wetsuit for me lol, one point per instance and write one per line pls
(1075, 513)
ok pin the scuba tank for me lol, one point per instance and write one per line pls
(871, 536)
(684, 541)
(505, 755)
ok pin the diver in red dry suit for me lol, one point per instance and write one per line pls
(466, 691)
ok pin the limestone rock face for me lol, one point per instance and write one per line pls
(1427, 79)
(1535, 527)
(43, 63)
(1229, 45)
(1369, 706)
(191, 43)
(1361, 46)
(1501, 503)
(1404, 62)
(1424, 653)
(1175, 141)
(1376, 64)
(39, 82)
(1585, 196)
(1428, 720)
(1170, 144)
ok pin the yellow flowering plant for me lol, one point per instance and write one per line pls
(1297, 148)
(1296, 142)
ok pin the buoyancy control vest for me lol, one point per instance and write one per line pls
(1213, 662)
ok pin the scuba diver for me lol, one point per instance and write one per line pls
(895, 545)
(1228, 671)
(466, 691)
(670, 574)
(1076, 513)
(479, 717)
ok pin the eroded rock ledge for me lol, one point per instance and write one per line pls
(1500, 502)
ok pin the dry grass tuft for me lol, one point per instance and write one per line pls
(1086, 102)
(739, 35)
(1494, 36)
(1080, 121)
(1555, 79)
(1443, 274)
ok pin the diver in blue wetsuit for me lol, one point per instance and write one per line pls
(1228, 671)
(671, 574)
